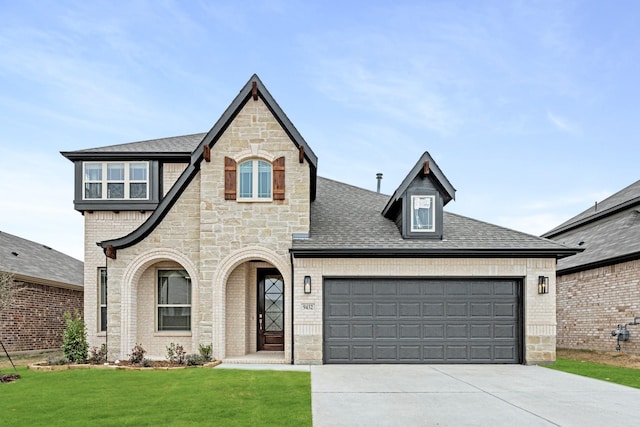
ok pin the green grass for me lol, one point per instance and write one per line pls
(158, 398)
(624, 376)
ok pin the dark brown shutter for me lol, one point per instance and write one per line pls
(229, 179)
(278, 179)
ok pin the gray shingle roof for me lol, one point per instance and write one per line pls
(26, 258)
(174, 144)
(628, 195)
(608, 235)
(348, 217)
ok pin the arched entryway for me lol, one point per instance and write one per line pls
(254, 314)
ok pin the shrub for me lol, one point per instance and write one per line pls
(98, 356)
(137, 354)
(176, 353)
(205, 352)
(195, 360)
(147, 363)
(74, 339)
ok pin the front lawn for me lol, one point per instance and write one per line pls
(615, 374)
(197, 396)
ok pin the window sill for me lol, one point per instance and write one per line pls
(172, 334)
(263, 200)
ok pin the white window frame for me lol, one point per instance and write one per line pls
(104, 181)
(255, 181)
(102, 273)
(432, 208)
(158, 305)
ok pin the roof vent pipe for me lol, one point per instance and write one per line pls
(379, 178)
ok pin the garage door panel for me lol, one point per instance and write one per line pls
(409, 309)
(421, 321)
(433, 309)
(386, 331)
(434, 331)
(457, 309)
(387, 309)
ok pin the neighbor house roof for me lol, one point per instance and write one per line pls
(31, 261)
(347, 221)
(609, 232)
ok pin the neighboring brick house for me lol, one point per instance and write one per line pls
(49, 283)
(230, 238)
(600, 287)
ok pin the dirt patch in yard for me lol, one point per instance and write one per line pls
(613, 358)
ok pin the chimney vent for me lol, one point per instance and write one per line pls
(379, 178)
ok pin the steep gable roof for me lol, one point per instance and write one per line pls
(436, 175)
(254, 88)
(33, 261)
(609, 234)
(347, 221)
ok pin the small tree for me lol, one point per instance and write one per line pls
(74, 339)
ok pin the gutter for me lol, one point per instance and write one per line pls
(597, 264)
(432, 253)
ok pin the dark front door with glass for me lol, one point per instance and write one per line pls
(270, 310)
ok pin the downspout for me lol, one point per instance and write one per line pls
(292, 305)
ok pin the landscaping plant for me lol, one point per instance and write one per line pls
(137, 354)
(74, 339)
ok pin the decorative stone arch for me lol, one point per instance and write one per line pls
(129, 294)
(225, 268)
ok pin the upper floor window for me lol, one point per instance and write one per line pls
(116, 180)
(423, 213)
(254, 177)
(174, 300)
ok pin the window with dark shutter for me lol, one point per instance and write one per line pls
(278, 179)
(229, 179)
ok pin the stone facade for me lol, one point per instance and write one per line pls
(592, 303)
(539, 314)
(35, 320)
(220, 243)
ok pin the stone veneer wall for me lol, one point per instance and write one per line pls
(35, 319)
(539, 310)
(592, 303)
(210, 237)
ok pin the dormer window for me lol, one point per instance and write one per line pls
(254, 177)
(423, 214)
(116, 180)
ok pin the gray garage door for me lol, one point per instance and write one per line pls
(421, 321)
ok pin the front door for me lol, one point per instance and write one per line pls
(270, 310)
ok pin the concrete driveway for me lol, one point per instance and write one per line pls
(466, 395)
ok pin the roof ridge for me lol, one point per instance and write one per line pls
(353, 186)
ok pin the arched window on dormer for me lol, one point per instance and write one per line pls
(254, 180)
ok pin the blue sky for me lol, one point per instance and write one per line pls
(529, 107)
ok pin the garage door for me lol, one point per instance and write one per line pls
(421, 321)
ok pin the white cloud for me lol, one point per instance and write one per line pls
(563, 124)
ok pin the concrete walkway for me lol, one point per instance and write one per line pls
(466, 395)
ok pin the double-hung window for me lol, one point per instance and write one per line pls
(116, 180)
(174, 300)
(102, 299)
(254, 177)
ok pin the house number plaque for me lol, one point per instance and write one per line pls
(308, 306)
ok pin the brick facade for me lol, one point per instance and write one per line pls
(539, 314)
(35, 319)
(592, 303)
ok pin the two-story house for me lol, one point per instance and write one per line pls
(231, 238)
